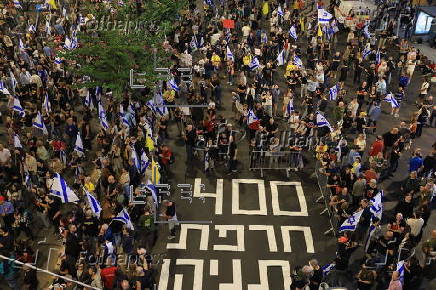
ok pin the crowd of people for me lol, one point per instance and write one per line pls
(281, 70)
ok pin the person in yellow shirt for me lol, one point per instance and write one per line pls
(89, 186)
(246, 61)
(216, 61)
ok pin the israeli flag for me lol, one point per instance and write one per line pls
(297, 61)
(327, 268)
(281, 58)
(32, 28)
(93, 204)
(57, 60)
(201, 43)
(78, 147)
(60, 188)
(324, 17)
(173, 85)
(377, 57)
(3, 89)
(70, 44)
(321, 121)
(400, 270)
(254, 64)
(366, 52)
(123, 116)
(376, 208)
(39, 123)
(46, 104)
(145, 162)
(264, 38)
(124, 217)
(157, 105)
(193, 42)
(21, 44)
(88, 101)
(13, 80)
(230, 54)
(17, 4)
(289, 108)
(366, 32)
(63, 156)
(150, 186)
(391, 99)
(333, 92)
(18, 108)
(293, 32)
(351, 223)
(102, 117)
(136, 160)
(280, 11)
(17, 142)
(252, 117)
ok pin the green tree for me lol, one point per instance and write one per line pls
(107, 56)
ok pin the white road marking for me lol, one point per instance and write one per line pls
(263, 274)
(198, 273)
(261, 193)
(164, 274)
(181, 245)
(218, 195)
(237, 277)
(213, 268)
(275, 199)
(287, 240)
(272, 244)
(240, 247)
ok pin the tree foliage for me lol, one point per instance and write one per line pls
(106, 56)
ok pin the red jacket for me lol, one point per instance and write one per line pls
(108, 276)
(376, 147)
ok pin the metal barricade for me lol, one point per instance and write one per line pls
(279, 160)
(325, 199)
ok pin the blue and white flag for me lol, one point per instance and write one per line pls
(377, 57)
(321, 121)
(123, 116)
(263, 37)
(208, 2)
(102, 117)
(400, 270)
(78, 147)
(327, 268)
(17, 4)
(324, 17)
(376, 208)
(200, 44)
(333, 92)
(350, 224)
(252, 118)
(150, 186)
(157, 105)
(193, 42)
(60, 188)
(293, 32)
(93, 204)
(88, 101)
(17, 142)
(254, 64)
(281, 58)
(366, 32)
(297, 61)
(32, 28)
(366, 52)
(57, 60)
(3, 89)
(289, 108)
(70, 44)
(18, 108)
(391, 99)
(124, 217)
(173, 85)
(39, 123)
(230, 54)
(135, 159)
(13, 80)
(371, 232)
(21, 44)
(46, 104)
(280, 11)
(145, 162)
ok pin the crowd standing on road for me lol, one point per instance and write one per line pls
(286, 66)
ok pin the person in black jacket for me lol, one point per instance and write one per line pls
(30, 281)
